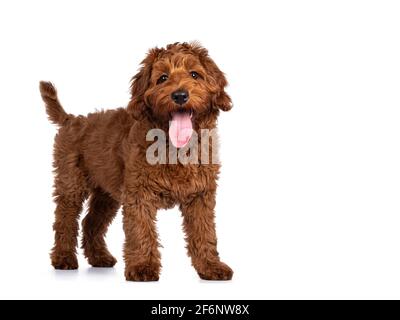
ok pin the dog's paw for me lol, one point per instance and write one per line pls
(142, 272)
(64, 261)
(215, 271)
(103, 261)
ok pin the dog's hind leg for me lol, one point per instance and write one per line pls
(102, 210)
(70, 193)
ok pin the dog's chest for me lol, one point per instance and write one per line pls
(179, 181)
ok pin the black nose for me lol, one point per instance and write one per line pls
(180, 96)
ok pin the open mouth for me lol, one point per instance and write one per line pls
(181, 128)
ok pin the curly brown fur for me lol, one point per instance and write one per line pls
(103, 156)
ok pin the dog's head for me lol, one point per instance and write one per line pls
(180, 85)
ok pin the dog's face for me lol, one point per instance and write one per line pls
(179, 84)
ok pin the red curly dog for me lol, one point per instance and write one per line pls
(103, 156)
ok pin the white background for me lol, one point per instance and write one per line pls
(308, 204)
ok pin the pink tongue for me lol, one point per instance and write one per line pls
(180, 129)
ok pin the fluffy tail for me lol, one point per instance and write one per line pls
(54, 110)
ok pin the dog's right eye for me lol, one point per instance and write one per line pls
(162, 79)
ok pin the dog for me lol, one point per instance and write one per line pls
(102, 157)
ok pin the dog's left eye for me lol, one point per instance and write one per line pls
(194, 74)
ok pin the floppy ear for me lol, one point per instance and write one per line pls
(220, 99)
(140, 83)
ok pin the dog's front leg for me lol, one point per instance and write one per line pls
(141, 254)
(199, 225)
